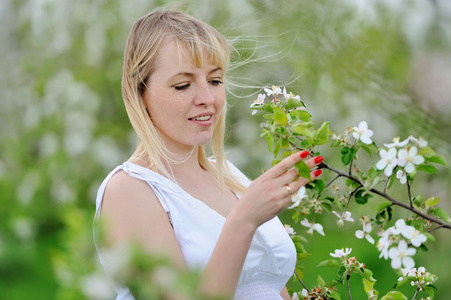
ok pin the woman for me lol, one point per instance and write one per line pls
(168, 196)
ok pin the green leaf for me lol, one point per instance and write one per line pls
(329, 263)
(333, 283)
(367, 285)
(303, 255)
(341, 272)
(440, 213)
(320, 281)
(347, 154)
(322, 134)
(277, 148)
(280, 117)
(300, 239)
(394, 295)
(382, 206)
(436, 159)
(294, 103)
(368, 274)
(303, 169)
(401, 283)
(432, 201)
(301, 115)
(303, 129)
(318, 185)
(361, 197)
(431, 291)
(426, 152)
(429, 237)
(391, 179)
(270, 141)
(427, 168)
(367, 149)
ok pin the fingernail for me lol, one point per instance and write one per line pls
(317, 173)
(304, 154)
(318, 159)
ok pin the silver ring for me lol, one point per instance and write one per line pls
(290, 192)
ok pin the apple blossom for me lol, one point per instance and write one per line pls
(346, 216)
(397, 143)
(363, 133)
(420, 142)
(315, 226)
(297, 198)
(415, 236)
(365, 233)
(340, 253)
(274, 91)
(402, 176)
(401, 255)
(260, 99)
(388, 161)
(409, 158)
(290, 95)
(289, 230)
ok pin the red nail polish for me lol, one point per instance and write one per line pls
(317, 173)
(304, 154)
(318, 159)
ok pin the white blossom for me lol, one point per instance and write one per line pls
(290, 95)
(402, 176)
(408, 159)
(388, 161)
(365, 233)
(274, 91)
(315, 226)
(401, 255)
(340, 253)
(420, 142)
(397, 143)
(297, 198)
(363, 133)
(260, 99)
(346, 216)
(289, 230)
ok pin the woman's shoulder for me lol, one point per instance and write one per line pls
(122, 186)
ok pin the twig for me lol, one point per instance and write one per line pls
(330, 182)
(389, 198)
(416, 292)
(350, 166)
(347, 284)
(442, 224)
(300, 280)
(408, 191)
(386, 185)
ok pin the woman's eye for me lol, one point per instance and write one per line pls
(181, 87)
(215, 82)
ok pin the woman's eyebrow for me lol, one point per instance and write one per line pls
(189, 74)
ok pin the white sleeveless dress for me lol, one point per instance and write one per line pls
(271, 258)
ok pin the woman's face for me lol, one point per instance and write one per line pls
(184, 101)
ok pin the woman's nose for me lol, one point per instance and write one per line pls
(204, 95)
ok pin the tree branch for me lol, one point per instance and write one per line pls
(300, 280)
(389, 198)
(322, 165)
(347, 284)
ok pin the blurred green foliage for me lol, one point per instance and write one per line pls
(64, 127)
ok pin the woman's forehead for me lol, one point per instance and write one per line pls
(176, 54)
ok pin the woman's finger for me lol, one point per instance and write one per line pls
(292, 174)
(286, 164)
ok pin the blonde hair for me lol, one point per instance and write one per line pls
(193, 38)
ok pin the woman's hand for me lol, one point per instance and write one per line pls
(271, 193)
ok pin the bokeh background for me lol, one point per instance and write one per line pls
(63, 126)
